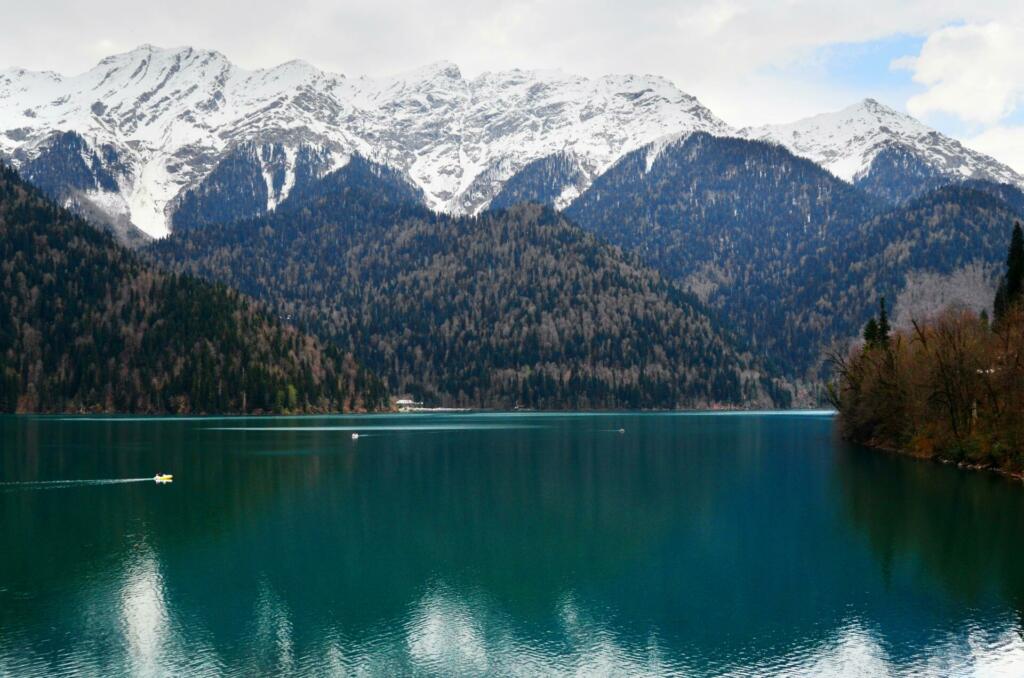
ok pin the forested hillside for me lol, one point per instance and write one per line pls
(951, 387)
(85, 180)
(897, 175)
(85, 326)
(940, 232)
(752, 229)
(553, 180)
(248, 181)
(515, 307)
(793, 257)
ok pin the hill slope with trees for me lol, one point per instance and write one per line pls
(793, 257)
(951, 387)
(751, 228)
(511, 308)
(86, 326)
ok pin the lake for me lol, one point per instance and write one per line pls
(530, 544)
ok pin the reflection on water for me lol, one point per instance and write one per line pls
(442, 632)
(499, 544)
(143, 612)
(962, 529)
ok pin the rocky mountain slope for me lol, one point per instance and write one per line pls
(888, 153)
(152, 132)
(161, 120)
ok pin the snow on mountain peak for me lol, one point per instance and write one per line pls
(847, 141)
(438, 69)
(173, 113)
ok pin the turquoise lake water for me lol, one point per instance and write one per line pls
(491, 544)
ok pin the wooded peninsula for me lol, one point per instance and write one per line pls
(950, 387)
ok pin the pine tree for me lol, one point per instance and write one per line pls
(877, 330)
(999, 303)
(871, 333)
(1012, 283)
(884, 328)
(1015, 266)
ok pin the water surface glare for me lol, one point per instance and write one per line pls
(494, 544)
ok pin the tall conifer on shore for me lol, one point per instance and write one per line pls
(877, 330)
(1011, 285)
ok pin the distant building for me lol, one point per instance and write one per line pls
(406, 404)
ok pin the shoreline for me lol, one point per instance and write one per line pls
(960, 465)
(425, 410)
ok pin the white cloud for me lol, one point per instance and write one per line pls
(746, 59)
(974, 71)
(723, 51)
(104, 47)
(1004, 143)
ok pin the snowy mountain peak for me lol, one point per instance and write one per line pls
(874, 106)
(847, 142)
(438, 69)
(171, 115)
(152, 124)
(140, 51)
(884, 116)
(148, 61)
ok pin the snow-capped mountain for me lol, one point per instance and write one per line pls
(870, 137)
(152, 132)
(165, 118)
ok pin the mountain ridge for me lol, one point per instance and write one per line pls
(848, 143)
(795, 257)
(514, 307)
(162, 121)
(172, 115)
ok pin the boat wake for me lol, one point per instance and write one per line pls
(57, 484)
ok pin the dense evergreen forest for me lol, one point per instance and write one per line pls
(237, 188)
(68, 171)
(950, 387)
(85, 326)
(752, 229)
(512, 308)
(542, 181)
(897, 175)
(791, 255)
(704, 271)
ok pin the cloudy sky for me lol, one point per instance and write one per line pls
(959, 66)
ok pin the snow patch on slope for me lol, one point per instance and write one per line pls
(565, 198)
(149, 195)
(109, 202)
(656, 147)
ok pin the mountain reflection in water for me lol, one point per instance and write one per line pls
(493, 544)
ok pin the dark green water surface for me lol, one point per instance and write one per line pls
(528, 544)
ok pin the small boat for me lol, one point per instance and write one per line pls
(355, 436)
(163, 478)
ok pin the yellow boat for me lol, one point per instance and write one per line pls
(163, 477)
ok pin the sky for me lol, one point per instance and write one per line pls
(958, 66)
